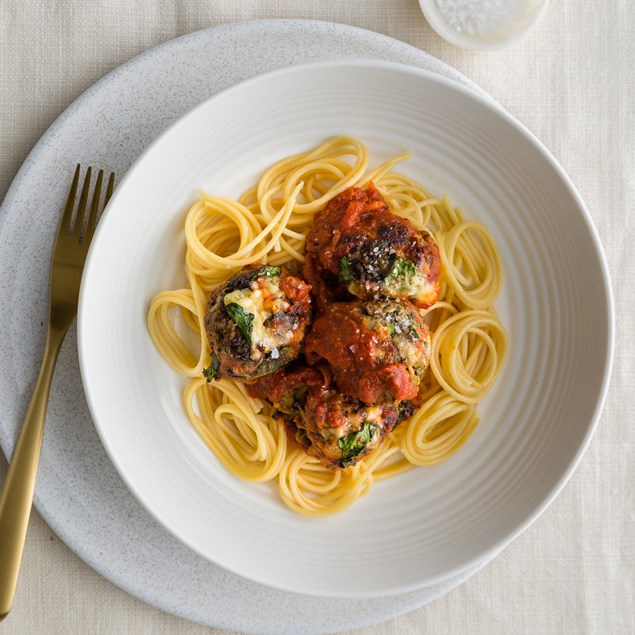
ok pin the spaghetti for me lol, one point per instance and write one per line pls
(268, 224)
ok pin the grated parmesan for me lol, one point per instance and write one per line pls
(482, 17)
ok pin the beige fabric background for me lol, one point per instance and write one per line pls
(571, 82)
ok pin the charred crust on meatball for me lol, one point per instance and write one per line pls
(358, 247)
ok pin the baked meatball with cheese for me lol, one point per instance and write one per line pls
(336, 429)
(357, 244)
(256, 322)
(377, 351)
(340, 430)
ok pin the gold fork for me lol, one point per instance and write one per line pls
(69, 255)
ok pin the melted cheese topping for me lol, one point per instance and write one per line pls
(372, 414)
(410, 285)
(263, 300)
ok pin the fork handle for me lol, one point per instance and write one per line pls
(16, 498)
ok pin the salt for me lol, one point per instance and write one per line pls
(484, 17)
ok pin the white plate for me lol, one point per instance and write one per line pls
(430, 524)
(79, 493)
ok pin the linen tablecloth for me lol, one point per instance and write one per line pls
(571, 82)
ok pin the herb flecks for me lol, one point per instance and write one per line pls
(244, 320)
(266, 272)
(346, 273)
(402, 269)
(352, 444)
(211, 371)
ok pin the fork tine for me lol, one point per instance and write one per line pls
(67, 216)
(94, 207)
(16, 496)
(81, 209)
(109, 188)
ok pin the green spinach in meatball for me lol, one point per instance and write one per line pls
(337, 429)
(256, 322)
(340, 430)
(377, 351)
(358, 244)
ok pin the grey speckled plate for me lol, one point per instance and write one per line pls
(79, 493)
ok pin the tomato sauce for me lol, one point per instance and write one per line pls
(364, 364)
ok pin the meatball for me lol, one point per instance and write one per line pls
(378, 351)
(358, 244)
(256, 322)
(332, 427)
(340, 430)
